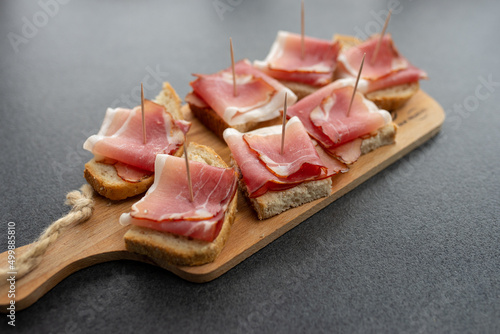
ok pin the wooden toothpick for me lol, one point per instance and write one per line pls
(356, 84)
(283, 126)
(374, 57)
(302, 44)
(143, 120)
(235, 92)
(191, 198)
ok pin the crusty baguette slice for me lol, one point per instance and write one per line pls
(389, 98)
(216, 124)
(274, 202)
(103, 177)
(169, 249)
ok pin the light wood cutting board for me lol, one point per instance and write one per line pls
(100, 239)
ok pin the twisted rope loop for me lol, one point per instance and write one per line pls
(82, 207)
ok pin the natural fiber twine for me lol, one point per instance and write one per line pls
(82, 206)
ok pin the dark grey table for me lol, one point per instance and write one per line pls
(414, 249)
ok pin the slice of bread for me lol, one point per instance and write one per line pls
(167, 249)
(103, 177)
(105, 181)
(274, 202)
(395, 97)
(215, 123)
(389, 98)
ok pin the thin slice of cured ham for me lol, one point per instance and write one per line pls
(260, 178)
(285, 61)
(166, 206)
(120, 137)
(349, 152)
(389, 69)
(299, 155)
(259, 97)
(324, 115)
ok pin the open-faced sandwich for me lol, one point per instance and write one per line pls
(388, 79)
(344, 135)
(256, 104)
(123, 165)
(170, 228)
(301, 71)
(273, 181)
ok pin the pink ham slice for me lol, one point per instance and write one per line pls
(324, 115)
(166, 206)
(333, 165)
(349, 152)
(256, 92)
(285, 61)
(257, 176)
(409, 75)
(121, 139)
(389, 68)
(299, 155)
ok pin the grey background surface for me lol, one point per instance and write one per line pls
(414, 249)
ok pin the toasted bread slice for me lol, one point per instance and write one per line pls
(395, 97)
(389, 98)
(216, 124)
(167, 249)
(274, 202)
(103, 177)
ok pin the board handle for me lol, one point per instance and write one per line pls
(98, 240)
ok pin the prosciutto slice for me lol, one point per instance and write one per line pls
(259, 97)
(257, 154)
(120, 137)
(389, 69)
(299, 155)
(166, 206)
(324, 115)
(285, 61)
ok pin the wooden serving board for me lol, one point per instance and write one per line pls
(100, 239)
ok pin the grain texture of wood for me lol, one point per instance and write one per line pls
(100, 239)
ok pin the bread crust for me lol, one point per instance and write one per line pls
(104, 178)
(167, 249)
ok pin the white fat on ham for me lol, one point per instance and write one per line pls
(261, 111)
